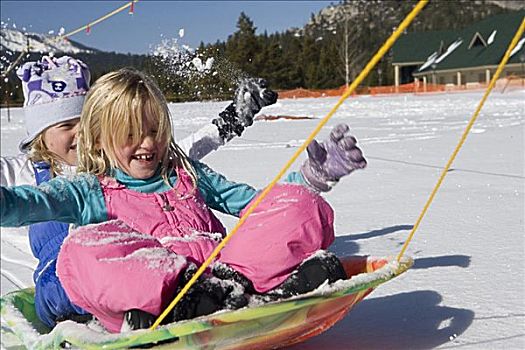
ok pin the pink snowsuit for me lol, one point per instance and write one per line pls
(134, 261)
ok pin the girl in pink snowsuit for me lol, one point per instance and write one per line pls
(146, 211)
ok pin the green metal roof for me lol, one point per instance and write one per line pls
(418, 47)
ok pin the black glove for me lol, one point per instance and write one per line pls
(251, 95)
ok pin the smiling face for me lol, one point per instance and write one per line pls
(126, 124)
(140, 156)
(61, 139)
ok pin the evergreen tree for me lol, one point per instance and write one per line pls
(242, 47)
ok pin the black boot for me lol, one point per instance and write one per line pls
(309, 275)
(137, 319)
(237, 284)
(207, 295)
(203, 298)
(225, 272)
(78, 318)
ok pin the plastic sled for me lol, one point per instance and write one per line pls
(266, 326)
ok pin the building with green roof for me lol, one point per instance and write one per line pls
(464, 57)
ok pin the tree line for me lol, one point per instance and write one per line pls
(323, 54)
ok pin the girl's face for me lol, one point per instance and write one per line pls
(141, 160)
(61, 139)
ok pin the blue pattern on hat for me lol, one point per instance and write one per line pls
(54, 92)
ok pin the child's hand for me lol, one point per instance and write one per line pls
(251, 95)
(332, 159)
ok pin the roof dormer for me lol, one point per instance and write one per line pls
(477, 40)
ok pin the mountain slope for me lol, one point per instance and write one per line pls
(16, 41)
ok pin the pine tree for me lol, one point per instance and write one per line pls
(242, 47)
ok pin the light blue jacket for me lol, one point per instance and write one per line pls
(79, 200)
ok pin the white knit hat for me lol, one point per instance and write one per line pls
(54, 92)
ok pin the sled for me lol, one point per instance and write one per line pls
(266, 326)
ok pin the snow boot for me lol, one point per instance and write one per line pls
(78, 318)
(309, 275)
(137, 319)
(225, 272)
(238, 285)
(208, 295)
(203, 298)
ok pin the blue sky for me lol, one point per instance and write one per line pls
(206, 21)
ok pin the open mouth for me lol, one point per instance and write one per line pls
(143, 157)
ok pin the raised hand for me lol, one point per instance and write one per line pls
(332, 159)
(251, 95)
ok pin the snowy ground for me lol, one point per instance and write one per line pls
(467, 287)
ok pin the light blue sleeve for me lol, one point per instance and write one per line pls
(296, 177)
(226, 196)
(75, 199)
(221, 194)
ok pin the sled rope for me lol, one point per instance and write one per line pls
(370, 65)
(502, 64)
(65, 36)
(97, 21)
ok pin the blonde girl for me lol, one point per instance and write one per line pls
(145, 212)
(54, 91)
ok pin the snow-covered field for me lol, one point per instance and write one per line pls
(467, 287)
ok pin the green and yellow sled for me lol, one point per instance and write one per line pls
(267, 326)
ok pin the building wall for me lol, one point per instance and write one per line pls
(470, 76)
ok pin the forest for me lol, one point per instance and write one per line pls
(328, 52)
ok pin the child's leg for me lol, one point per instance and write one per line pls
(108, 269)
(196, 247)
(289, 225)
(51, 301)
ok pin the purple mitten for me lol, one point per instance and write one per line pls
(332, 159)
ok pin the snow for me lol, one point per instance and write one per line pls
(202, 67)
(518, 47)
(16, 41)
(450, 49)
(466, 287)
(432, 59)
(490, 40)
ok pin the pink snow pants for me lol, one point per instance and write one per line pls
(108, 269)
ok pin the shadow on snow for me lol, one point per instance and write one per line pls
(412, 320)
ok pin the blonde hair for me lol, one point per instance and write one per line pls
(113, 112)
(40, 153)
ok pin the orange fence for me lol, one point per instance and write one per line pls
(414, 88)
(302, 93)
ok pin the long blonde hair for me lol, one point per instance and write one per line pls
(113, 113)
(38, 152)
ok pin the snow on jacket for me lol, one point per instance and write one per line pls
(79, 200)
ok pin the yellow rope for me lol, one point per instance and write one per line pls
(15, 62)
(380, 53)
(502, 64)
(61, 37)
(103, 18)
